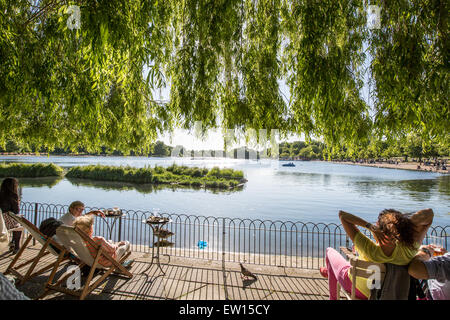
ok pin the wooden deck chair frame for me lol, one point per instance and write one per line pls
(74, 240)
(46, 248)
(359, 268)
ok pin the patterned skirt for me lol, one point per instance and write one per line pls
(10, 223)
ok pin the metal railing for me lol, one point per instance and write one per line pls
(264, 242)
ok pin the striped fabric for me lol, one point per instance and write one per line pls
(10, 222)
(8, 291)
(107, 247)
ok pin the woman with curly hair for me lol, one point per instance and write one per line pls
(398, 238)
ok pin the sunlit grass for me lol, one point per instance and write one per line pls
(174, 174)
(33, 170)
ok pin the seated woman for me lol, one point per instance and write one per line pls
(398, 238)
(116, 250)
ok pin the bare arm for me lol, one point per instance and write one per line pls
(97, 213)
(350, 223)
(422, 220)
(417, 268)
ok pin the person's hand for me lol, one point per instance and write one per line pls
(97, 213)
(379, 235)
(433, 247)
(428, 248)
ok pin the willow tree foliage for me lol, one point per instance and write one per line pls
(225, 62)
(411, 69)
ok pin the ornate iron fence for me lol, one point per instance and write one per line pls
(265, 242)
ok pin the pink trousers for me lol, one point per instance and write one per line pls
(338, 271)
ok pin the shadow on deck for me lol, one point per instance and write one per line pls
(191, 279)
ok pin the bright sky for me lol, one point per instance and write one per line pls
(214, 138)
(213, 141)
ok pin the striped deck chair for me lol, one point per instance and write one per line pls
(6, 234)
(359, 268)
(74, 240)
(49, 246)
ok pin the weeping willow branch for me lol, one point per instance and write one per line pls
(225, 61)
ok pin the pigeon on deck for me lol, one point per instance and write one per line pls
(246, 273)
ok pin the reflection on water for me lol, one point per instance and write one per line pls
(39, 182)
(420, 190)
(417, 189)
(144, 188)
(312, 191)
(444, 184)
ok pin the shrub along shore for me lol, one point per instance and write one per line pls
(173, 175)
(30, 170)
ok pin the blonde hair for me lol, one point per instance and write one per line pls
(84, 223)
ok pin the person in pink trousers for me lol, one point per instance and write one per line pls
(398, 237)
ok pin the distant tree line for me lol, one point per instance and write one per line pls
(158, 149)
(407, 147)
(301, 150)
(411, 146)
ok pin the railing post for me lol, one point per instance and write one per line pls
(120, 229)
(223, 240)
(35, 213)
(223, 260)
(35, 219)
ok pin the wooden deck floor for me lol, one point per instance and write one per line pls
(191, 279)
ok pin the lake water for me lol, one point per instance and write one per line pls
(313, 191)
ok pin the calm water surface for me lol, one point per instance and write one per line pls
(313, 191)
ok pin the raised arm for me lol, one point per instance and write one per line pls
(350, 223)
(422, 220)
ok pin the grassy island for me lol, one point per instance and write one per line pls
(174, 175)
(30, 170)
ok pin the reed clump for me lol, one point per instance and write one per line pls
(30, 170)
(174, 174)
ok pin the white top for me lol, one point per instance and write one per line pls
(67, 219)
(4, 234)
(438, 269)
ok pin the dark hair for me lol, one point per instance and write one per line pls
(49, 226)
(9, 195)
(396, 225)
(10, 187)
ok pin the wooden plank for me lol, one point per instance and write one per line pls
(189, 279)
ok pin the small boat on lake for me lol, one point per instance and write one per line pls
(290, 164)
